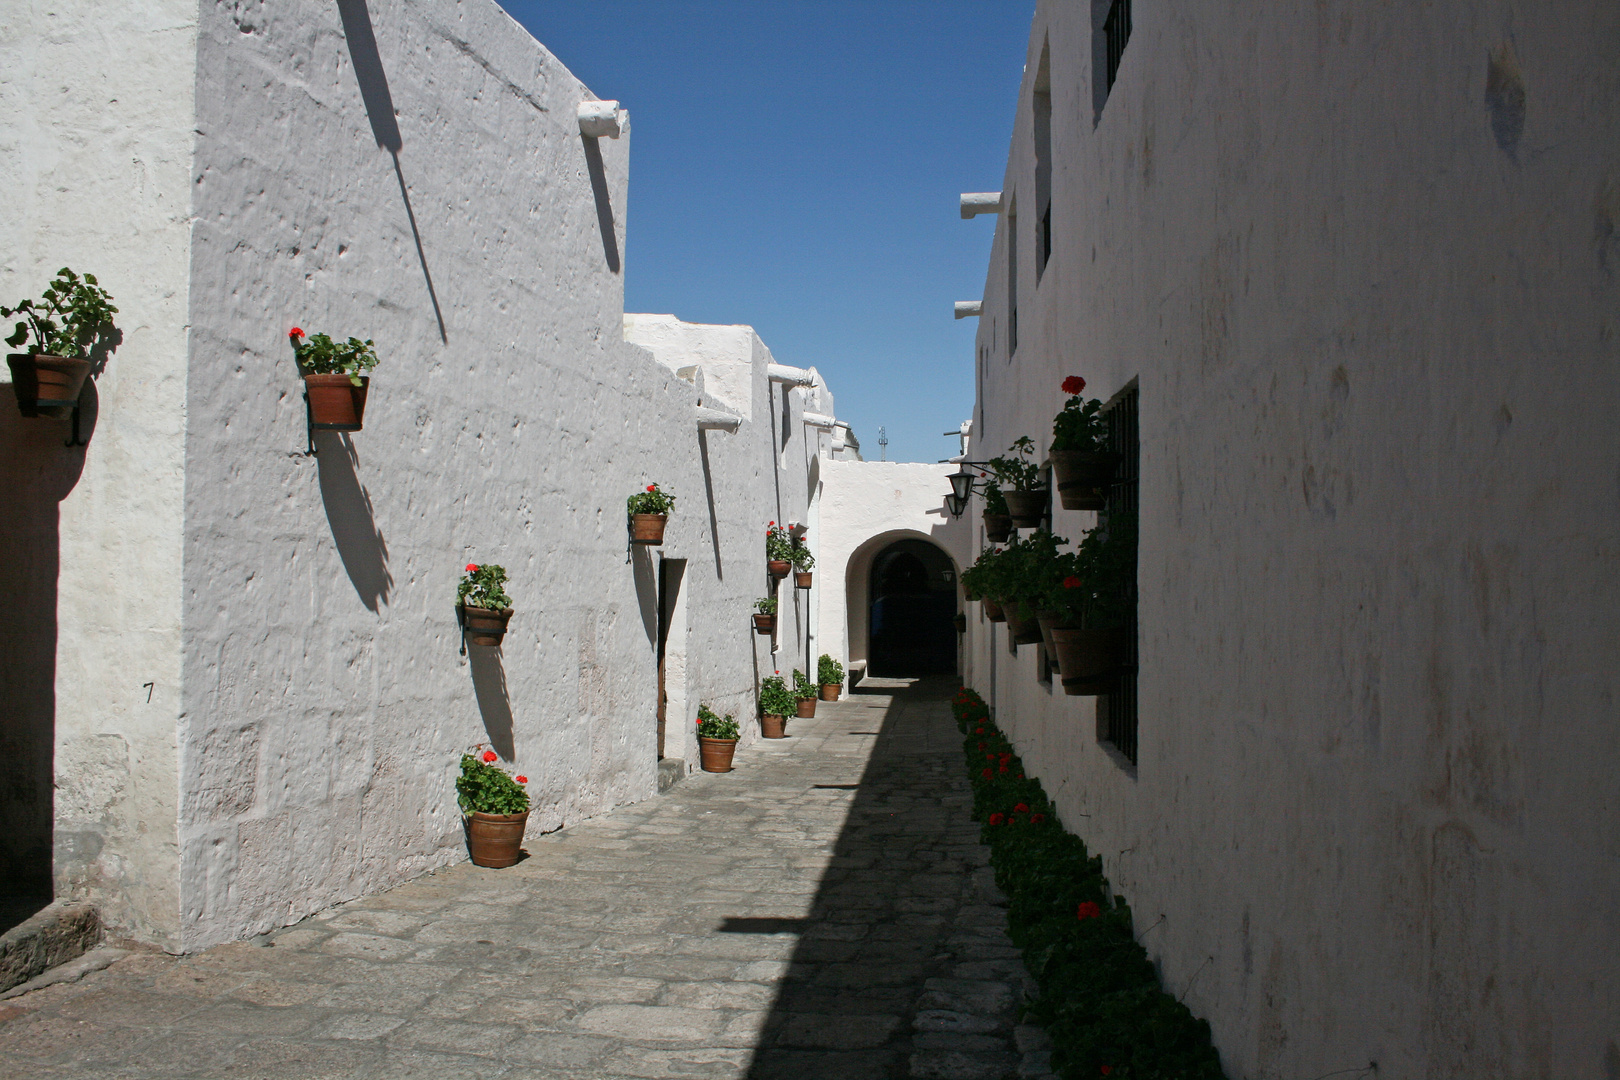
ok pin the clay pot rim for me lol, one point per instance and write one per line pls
(331, 380)
(493, 611)
(664, 517)
(711, 738)
(496, 817)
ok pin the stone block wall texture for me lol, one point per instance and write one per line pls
(412, 173)
(1363, 266)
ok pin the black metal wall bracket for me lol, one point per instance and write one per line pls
(75, 439)
(309, 427)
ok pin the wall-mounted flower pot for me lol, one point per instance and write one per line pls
(46, 385)
(801, 578)
(773, 727)
(1083, 477)
(1048, 621)
(997, 527)
(992, 610)
(1088, 659)
(807, 708)
(961, 623)
(335, 403)
(716, 754)
(484, 626)
(778, 568)
(831, 690)
(765, 624)
(495, 839)
(648, 528)
(1026, 508)
(1022, 625)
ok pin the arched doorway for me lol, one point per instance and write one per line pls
(911, 610)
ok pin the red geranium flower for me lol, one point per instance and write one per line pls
(772, 523)
(997, 819)
(521, 779)
(1106, 1069)
(1073, 384)
(1020, 776)
(472, 568)
(1088, 910)
(295, 332)
(1072, 582)
(1021, 808)
(981, 746)
(489, 755)
(989, 757)
(1004, 768)
(1036, 819)
(652, 487)
(978, 731)
(986, 773)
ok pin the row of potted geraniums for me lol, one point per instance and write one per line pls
(776, 704)
(778, 550)
(1081, 460)
(495, 809)
(804, 695)
(69, 323)
(765, 615)
(649, 513)
(830, 674)
(1086, 613)
(482, 603)
(333, 382)
(803, 564)
(717, 740)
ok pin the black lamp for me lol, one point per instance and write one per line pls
(962, 484)
(955, 504)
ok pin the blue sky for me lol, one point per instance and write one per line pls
(796, 166)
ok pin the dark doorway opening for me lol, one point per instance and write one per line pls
(913, 607)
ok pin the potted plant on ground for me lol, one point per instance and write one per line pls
(1021, 484)
(778, 550)
(830, 674)
(804, 693)
(803, 563)
(1091, 609)
(1081, 460)
(333, 385)
(717, 740)
(997, 522)
(649, 513)
(494, 808)
(765, 615)
(482, 604)
(776, 704)
(69, 323)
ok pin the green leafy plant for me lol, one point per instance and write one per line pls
(775, 699)
(778, 543)
(651, 501)
(482, 587)
(802, 560)
(320, 355)
(829, 672)
(1080, 424)
(803, 688)
(1032, 566)
(712, 726)
(1099, 995)
(485, 789)
(994, 501)
(1015, 467)
(765, 605)
(1098, 580)
(72, 318)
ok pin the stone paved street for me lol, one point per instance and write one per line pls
(824, 911)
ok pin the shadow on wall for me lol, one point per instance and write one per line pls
(348, 511)
(36, 473)
(494, 703)
(368, 72)
(708, 492)
(604, 205)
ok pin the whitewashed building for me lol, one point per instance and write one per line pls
(1349, 277)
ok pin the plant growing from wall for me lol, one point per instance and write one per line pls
(1015, 469)
(801, 559)
(775, 699)
(650, 501)
(485, 788)
(778, 544)
(765, 605)
(994, 501)
(71, 319)
(483, 586)
(1080, 424)
(1081, 460)
(320, 355)
(829, 672)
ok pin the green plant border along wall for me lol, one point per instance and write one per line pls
(1100, 998)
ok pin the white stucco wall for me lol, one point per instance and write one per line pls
(96, 129)
(1373, 322)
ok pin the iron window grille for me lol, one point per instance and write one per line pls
(1117, 29)
(1117, 722)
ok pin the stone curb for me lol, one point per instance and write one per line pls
(64, 930)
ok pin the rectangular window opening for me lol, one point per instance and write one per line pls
(1110, 31)
(1117, 710)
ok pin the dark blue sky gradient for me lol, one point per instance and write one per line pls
(796, 166)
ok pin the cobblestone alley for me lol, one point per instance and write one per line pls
(822, 912)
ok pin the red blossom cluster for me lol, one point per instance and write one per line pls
(295, 332)
(472, 568)
(489, 756)
(1089, 909)
(1073, 384)
(1072, 582)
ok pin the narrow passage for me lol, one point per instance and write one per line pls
(823, 912)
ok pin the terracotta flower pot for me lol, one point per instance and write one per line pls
(801, 578)
(997, 527)
(484, 626)
(1022, 626)
(495, 839)
(807, 708)
(774, 727)
(1049, 620)
(764, 624)
(335, 403)
(1083, 477)
(648, 528)
(1027, 508)
(778, 568)
(46, 385)
(716, 754)
(1088, 659)
(831, 690)
(992, 610)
